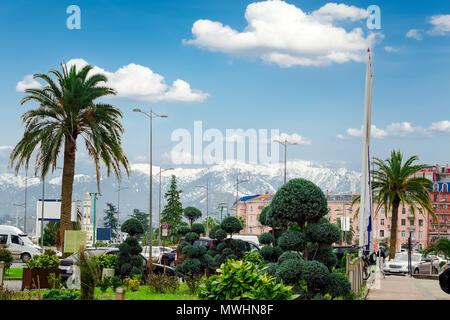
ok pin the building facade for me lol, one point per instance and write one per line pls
(86, 223)
(249, 208)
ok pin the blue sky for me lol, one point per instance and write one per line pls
(240, 87)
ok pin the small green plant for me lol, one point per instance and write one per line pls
(48, 260)
(242, 280)
(54, 281)
(108, 261)
(253, 257)
(101, 244)
(110, 282)
(89, 274)
(160, 283)
(132, 283)
(7, 258)
(58, 294)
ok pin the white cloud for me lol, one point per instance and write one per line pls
(414, 34)
(396, 129)
(5, 151)
(441, 24)
(140, 83)
(391, 49)
(292, 138)
(281, 33)
(442, 126)
(27, 83)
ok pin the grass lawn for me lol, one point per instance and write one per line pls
(144, 294)
(14, 273)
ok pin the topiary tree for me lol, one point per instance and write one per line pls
(316, 276)
(339, 286)
(129, 259)
(191, 214)
(231, 225)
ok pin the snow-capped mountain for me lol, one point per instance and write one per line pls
(221, 179)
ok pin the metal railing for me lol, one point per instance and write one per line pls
(354, 269)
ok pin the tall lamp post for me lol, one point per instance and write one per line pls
(150, 115)
(207, 215)
(221, 206)
(285, 143)
(237, 192)
(161, 170)
(118, 210)
(95, 195)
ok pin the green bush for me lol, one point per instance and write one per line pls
(253, 257)
(107, 261)
(7, 258)
(338, 285)
(220, 234)
(191, 237)
(133, 283)
(212, 232)
(242, 280)
(48, 260)
(198, 228)
(54, 281)
(58, 294)
(129, 260)
(316, 275)
(183, 230)
(89, 274)
(289, 271)
(266, 238)
(192, 214)
(291, 241)
(231, 225)
(289, 255)
(323, 232)
(322, 253)
(133, 227)
(160, 283)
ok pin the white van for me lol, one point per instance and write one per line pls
(248, 238)
(18, 243)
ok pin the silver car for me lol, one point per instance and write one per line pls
(426, 265)
(399, 265)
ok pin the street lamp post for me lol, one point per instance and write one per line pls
(221, 206)
(95, 195)
(207, 215)
(237, 192)
(150, 115)
(118, 210)
(161, 170)
(285, 144)
(17, 212)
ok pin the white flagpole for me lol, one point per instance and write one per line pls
(365, 211)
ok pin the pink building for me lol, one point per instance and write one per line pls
(249, 208)
(339, 206)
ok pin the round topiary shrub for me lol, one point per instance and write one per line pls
(219, 259)
(270, 268)
(194, 251)
(267, 253)
(316, 275)
(220, 235)
(221, 246)
(189, 267)
(322, 253)
(291, 241)
(338, 286)
(192, 214)
(191, 237)
(266, 238)
(323, 232)
(289, 271)
(297, 202)
(183, 230)
(231, 225)
(198, 228)
(289, 255)
(133, 227)
(212, 232)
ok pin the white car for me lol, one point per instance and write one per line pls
(20, 246)
(157, 251)
(400, 263)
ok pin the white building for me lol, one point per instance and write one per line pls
(86, 223)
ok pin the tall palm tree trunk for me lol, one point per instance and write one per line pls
(67, 188)
(394, 222)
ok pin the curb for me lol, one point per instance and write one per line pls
(367, 288)
(426, 276)
(11, 279)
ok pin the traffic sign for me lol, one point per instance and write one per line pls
(164, 232)
(165, 226)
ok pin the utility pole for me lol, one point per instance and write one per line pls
(237, 192)
(161, 170)
(95, 194)
(285, 143)
(221, 206)
(118, 211)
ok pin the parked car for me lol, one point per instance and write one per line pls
(444, 278)
(66, 265)
(425, 264)
(156, 252)
(399, 265)
(247, 238)
(168, 258)
(20, 246)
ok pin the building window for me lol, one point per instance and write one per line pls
(435, 187)
(420, 223)
(444, 206)
(382, 210)
(403, 234)
(444, 187)
(403, 210)
(382, 233)
(382, 222)
(420, 234)
(403, 222)
(445, 196)
(251, 230)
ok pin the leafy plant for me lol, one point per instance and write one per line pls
(160, 283)
(7, 258)
(132, 283)
(55, 281)
(108, 261)
(89, 274)
(48, 260)
(242, 280)
(58, 294)
(253, 257)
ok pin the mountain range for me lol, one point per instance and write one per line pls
(135, 189)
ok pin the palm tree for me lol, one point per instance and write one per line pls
(67, 110)
(394, 184)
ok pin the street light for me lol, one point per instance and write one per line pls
(118, 209)
(285, 144)
(17, 212)
(206, 187)
(161, 170)
(150, 115)
(221, 206)
(237, 191)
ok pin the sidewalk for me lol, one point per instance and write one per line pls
(394, 287)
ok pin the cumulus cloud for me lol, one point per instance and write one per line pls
(441, 24)
(281, 33)
(293, 138)
(140, 83)
(414, 34)
(396, 129)
(391, 49)
(27, 83)
(441, 126)
(5, 151)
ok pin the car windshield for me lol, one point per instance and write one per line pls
(27, 241)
